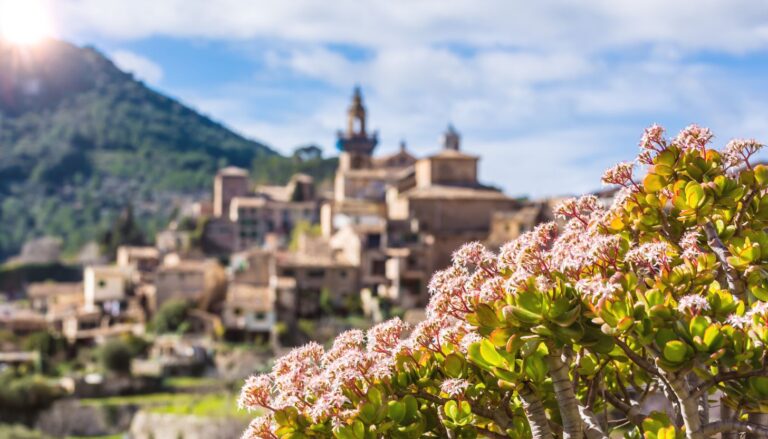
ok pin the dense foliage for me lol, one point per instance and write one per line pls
(75, 131)
(572, 329)
(24, 393)
(171, 316)
(116, 356)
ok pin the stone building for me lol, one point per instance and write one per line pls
(399, 218)
(249, 308)
(248, 312)
(263, 217)
(106, 288)
(143, 261)
(55, 298)
(200, 281)
(312, 281)
(274, 211)
(229, 183)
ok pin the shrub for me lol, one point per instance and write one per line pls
(137, 345)
(25, 393)
(171, 316)
(116, 356)
(663, 292)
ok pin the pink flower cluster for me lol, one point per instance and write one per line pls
(581, 250)
(620, 174)
(262, 427)
(650, 256)
(694, 137)
(739, 151)
(653, 139)
(321, 384)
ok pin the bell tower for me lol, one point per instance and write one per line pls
(451, 138)
(356, 116)
(355, 144)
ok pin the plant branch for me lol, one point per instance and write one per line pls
(494, 415)
(447, 431)
(744, 206)
(703, 387)
(592, 428)
(631, 412)
(491, 434)
(714, 428)
(535, 412)
(573, 426)
(637, 359)
(722, 254)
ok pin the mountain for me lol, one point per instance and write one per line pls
(80, 140)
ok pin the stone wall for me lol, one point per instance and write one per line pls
(147, 425)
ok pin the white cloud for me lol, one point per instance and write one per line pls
(736, 26)
(548, 92)
(142, 67)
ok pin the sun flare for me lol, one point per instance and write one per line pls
(24, 22)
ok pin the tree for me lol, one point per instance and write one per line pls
(566, 330)
(116, 356)
(171, 316)
(125, 231)
(307, 153)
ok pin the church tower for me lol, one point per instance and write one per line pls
(355, 144)
(451, 138)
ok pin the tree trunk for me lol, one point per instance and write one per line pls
(534, 411)
(760, 419)
(592, 429)
(727, 414)
(689, 406)
(703, 400)
(573, 427)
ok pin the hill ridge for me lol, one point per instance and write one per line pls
(80, 139)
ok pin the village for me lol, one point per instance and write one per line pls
(271, 267)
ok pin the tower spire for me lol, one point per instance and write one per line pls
(355, 143)
(356, 115)
(451, 138)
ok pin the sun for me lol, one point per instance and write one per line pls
(24, 22)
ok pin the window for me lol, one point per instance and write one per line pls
(102, 283)
(316, 273)
(287, 272)
(373, 240)
(379, 267)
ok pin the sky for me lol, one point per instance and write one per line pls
(548, 93)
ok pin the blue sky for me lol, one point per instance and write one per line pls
(548, 93)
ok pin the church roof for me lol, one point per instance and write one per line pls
(453, 154)
(233, 171)
(376, 173)
(444, 192)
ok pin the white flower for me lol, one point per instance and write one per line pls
(693, 303)
(454, 387)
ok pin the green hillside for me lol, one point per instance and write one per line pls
(80, 140)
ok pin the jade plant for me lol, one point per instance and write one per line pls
(575, 329)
